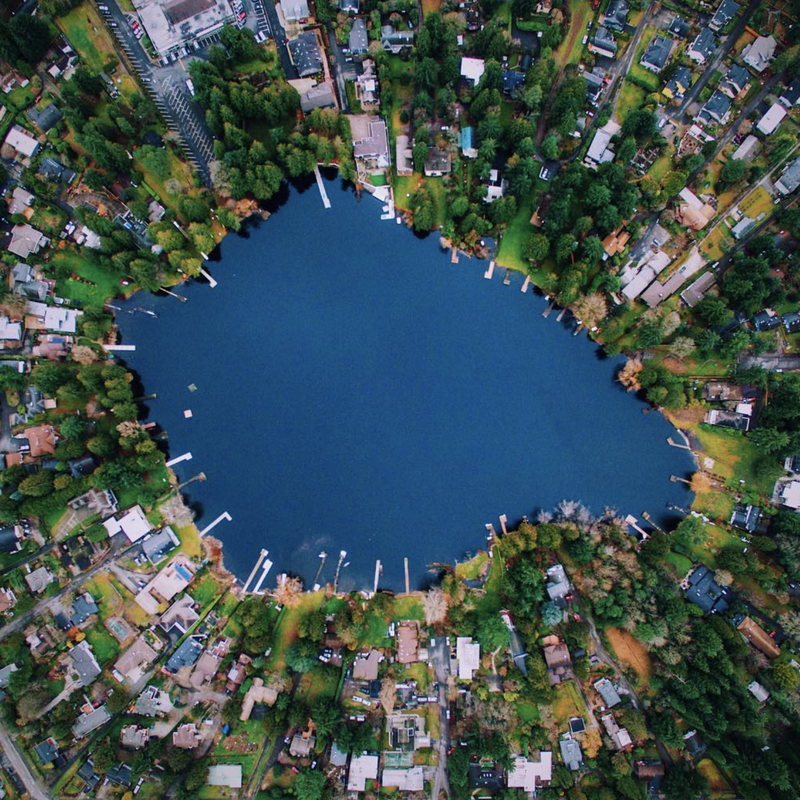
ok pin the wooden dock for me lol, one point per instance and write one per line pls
(211, 282)
(173, 461)
(119, 348)
(489, 272)
(321, 186)
(223, 516)
(634, 523)
(262, 555)
(526, 283)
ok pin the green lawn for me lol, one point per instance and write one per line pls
(631, 97)
(204, 590)
(93, 285)
(105, 646)
(569, 51)
(517, 231)
(89, 35)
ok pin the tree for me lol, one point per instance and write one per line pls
(11, 379)
(785, 676)
(550, 148)
(733, 171)
(118, 701)
(39, 484)
(492, 632)
(302, 656)
(713, 311)
(325, 713)
(552, 615)
(308, 785)
(536, 248)
(673, 182)
(104, 757)
(435, 605)
(770, 440)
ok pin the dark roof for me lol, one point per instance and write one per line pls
(54, 170)
(791, 322)
(186, 655)
(182, 10)
(704, 591)
(679, 27)
(83, 607)
(764, 321)
(791, 95)
(45, 118)
(121, 775)
(746, 518)
(716, 107)
(80, 467)
(159, 545)
(735, 79)
(9, 541)
(604, 39)
(358, 40)
(47, 751)
(724, 14)
(305, 54)
(153, 139)
(657, 53)
(617, 14)
(87, 774)
(704, 42)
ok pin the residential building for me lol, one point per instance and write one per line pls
(766, 320)
(367, 86)
(648, 768)
(571, 753)
(495, 186)
(121, 775)
(736, 81)
(26, 241)
(599, 151)
(727, 10)
(23, 143)
(558, 586)
(608, 692)
(186, 737)
(186, 655)
(791, 95)
(348, 6)
(10, 537)
(603, 43)
(228, 775)
(758, 637)
(365, 667)
(468, 655)
(759, 54)
(703, 47)
(318, 96)
(748, 149)
(370, 141)
(90, 720)
(677, 86)
(47, 751)
(132, 737)
(363, 768)
(172, 24)
(52, 170)
(405, 780)
(302, 746)
(790, 495)
(556, 655)
(746, 517)
(358, 39)
(295, 10)
(790, 178)
(679, 28)
(82, 608)
(472, 69)
(620, 737)
(438, 162)
(530, 776)
(51, 318)
(758, 691)
(133, 663)
(467, 142)
(257, 694)
(89, 777)
(19, 201)
(693, 213)
(408, 641)
(717, 109)
(657, 54)
(39, 579)
(396, 41)
(701, 589)
(616, 15)
(153, 702)
(737, 420)
(172, 580)
(133, 524)
(158, 546)
(696, 291)
(769, 123)
(45, 118)
(84, 663)
(305, 55)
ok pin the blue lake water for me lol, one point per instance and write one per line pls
(357, 391)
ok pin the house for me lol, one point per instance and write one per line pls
(603, 43)
(768, 124)
(237, 673)
(766, 320)
(153, 702)
(365, 667)
(179, 617)
(608, 692)
(257, 694)
(7, 600)
(51, 318)
(83, 607)
(10, 333)
(90, 720)
(791, 322)
(363, 768)
(318, 96)
(47, 751)
(679, 28)
(158, 546)
(557, 655)
(208, 665)
(405, 780)
(186, 737)
(26, 241)
(84, 663)
(133, 663)
(619, 736)
(186, 655)
(121, 775)
(367, 85)
(616, 15)
(615, 242)
(438, 162)
(758, 637)
(512, 80)
(10, 536)
(558, 585)
(737, 420)
(742, 227)
(52, 170)
(724, 14)
(24, 144)
(648, 768)
(370, 141)
(302, 746)
(133, 737)
(790, 178)
(701, 49)
(528, 775)
(571, 753)
(305, 55)
(790, 495)
(693, 212)
(791, 96)
(758, 691)
(748, 149)
(696, 291)
(41, 440)
(396, 41)
(657, 54)
(295, 10)
(495, 187)
(358, 39)
(701, 589)
(39, 579)
(759, 53)
(746, 517)
(408, 641)
(19, 201)
(736, 81)
(717, 109)
(229, 775)
(468, 655)
(595, 83)
(677, 86)
(133, 524)
(467, 142)
(599, 151)
(348, 6)
(45, 118)
(89, 777)
(472, 69)
(172, 580)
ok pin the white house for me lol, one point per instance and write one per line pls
(22, 142)
(770, 121)
(472, 69)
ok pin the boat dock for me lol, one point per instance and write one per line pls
(321, 186)
(525, 284)
(489, 272)
(177, 460)
(634, 523)
(223, 516)
(119, 348)
(211, 282)
(261, 556)
(266, 567)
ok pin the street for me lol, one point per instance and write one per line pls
(439, 653)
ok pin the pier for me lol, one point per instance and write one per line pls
(342, 557)
(321, 186)
(525, 284)
(262, 555)
(634, 523)
(223, 516)
(377, 575)
(211, 282)
(408, 582)
(201, 476)
(178, 459)
(489, 272)
(119, 348)
(267, 566)
(322, 558)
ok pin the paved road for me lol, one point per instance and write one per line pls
(20, 766)
(279, 34)
(722, 51)
(439, 652)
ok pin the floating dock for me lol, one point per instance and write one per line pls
(266, 567)
(173, 461)
(223, 516)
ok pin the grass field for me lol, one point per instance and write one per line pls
(631, 652)
(93, 285)
(286, 628)
(105, 646)
(88, 35)
(631, 97)
(718, 785)
(517, 231)
(567, 704)
(108, 599)
(569, 51)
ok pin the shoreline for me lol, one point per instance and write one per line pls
(214, 547)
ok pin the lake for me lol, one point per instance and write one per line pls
(357, 391)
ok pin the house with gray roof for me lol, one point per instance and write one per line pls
(396, 41)
(39, 579)
(46, 751)
(603, 43)
(305, 55)
(736, 80)
(45, 118)
(87, 774)
(616, 16)
(82, 608)
(318, 96)
(727, 10)
(372, 148)
(791, 95)
(90, 720)
(358, 40)
(608, 692)
(701, 589)
(657, 54)
(52, 170)
(702, 48)
(158, 546)
(790, 178)
(348, 6)
(679, 28)
(678, 84)
(717, 109)
(6, 673)
(84, 663)
(186, 655)
(571, 753)
(759, 54)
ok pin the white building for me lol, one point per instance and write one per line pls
(472, 69)
(362, 769)
(770, 121)
(133, 524)
(22, 142)
(790, 495)
(758, 54)
(468, 654)
(530, 775)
